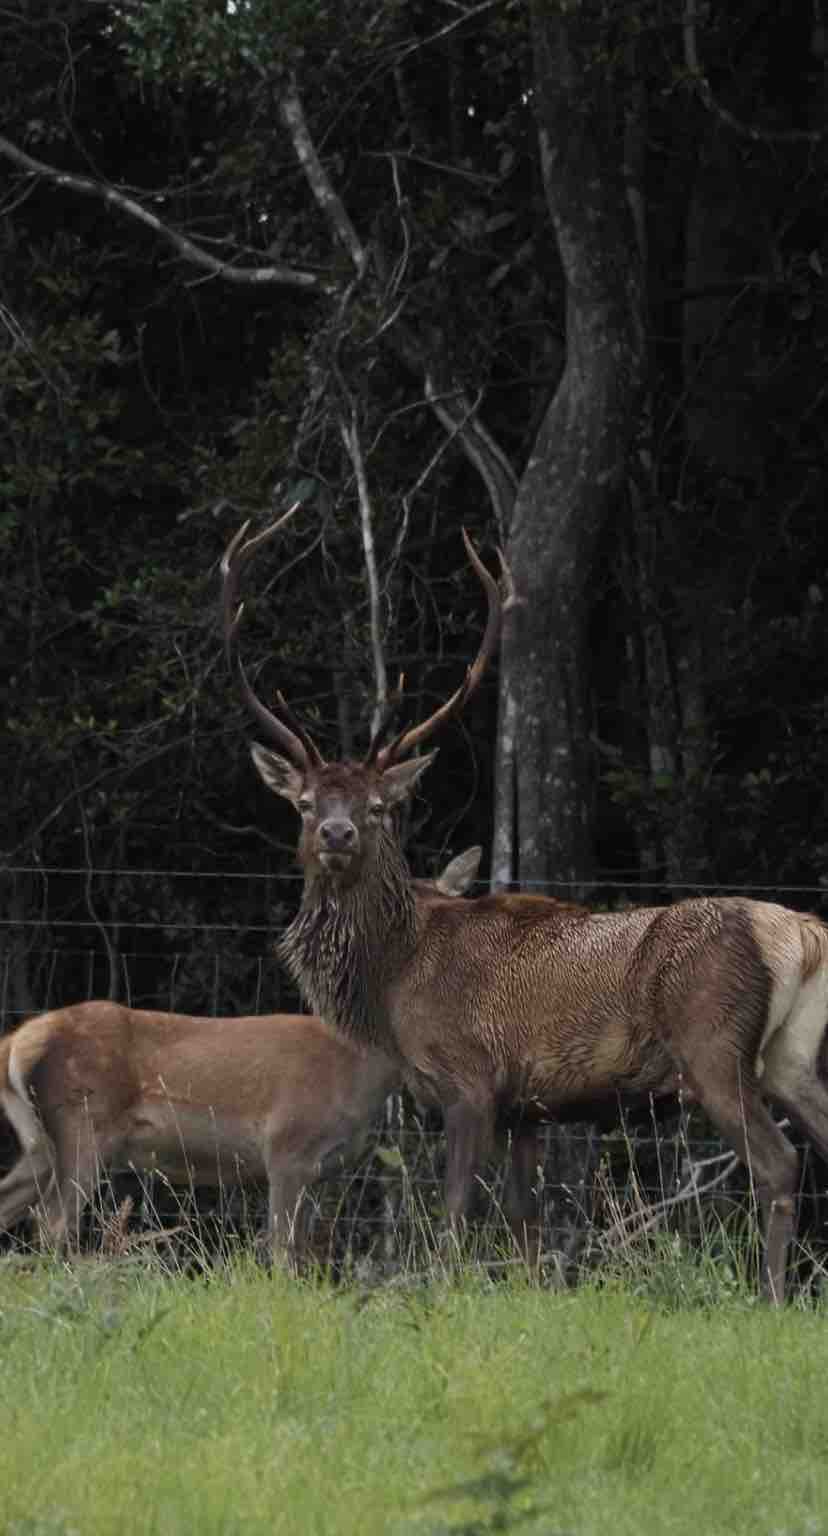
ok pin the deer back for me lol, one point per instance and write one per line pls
(125, 1071)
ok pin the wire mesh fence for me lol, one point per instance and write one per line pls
(600, 1188)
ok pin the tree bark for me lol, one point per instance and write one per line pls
(579, 457)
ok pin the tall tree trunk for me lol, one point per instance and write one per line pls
(579, 456)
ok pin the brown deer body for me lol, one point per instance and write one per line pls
(553, 1013)
(205, 1101)
(511, 1007)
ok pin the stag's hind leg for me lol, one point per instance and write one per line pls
(791, 1067)
(726, 1086)
(805, 1098)
(807, 1104)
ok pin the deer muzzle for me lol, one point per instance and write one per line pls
(338, 841)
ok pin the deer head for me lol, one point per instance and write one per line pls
(345, 807)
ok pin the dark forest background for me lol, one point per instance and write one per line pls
(552, 272)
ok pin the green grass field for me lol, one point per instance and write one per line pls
(245, 1403)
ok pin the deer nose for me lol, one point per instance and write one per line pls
(336, 835)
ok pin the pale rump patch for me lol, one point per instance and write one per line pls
(791, 1050)
(783, 994)
(798, 1010)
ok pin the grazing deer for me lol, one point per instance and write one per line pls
(205, 1101)
(511, 1007)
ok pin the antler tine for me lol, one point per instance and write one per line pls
(231, 608)
(386, 720)
(301, 731)
(296, 743)
(405, 743)
(508, 593)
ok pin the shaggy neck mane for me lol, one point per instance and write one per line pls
(345, 942)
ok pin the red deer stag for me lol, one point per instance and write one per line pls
(205, 1101)
(517, 1006)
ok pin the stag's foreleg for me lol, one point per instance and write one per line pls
(469, 1126)
(520, 1199)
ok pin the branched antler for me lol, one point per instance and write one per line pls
(290, 738)
(404, 744)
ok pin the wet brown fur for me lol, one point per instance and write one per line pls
(513, 1007)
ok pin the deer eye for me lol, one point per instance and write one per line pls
(305, 806)
(376, 809)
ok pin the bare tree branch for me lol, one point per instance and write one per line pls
(459, 417)
(707, 97)
(627, 1228)
(98, 778)
(456, 413)
(454, 410)
(111, 954)
(275, 275)
(327, 198)
(353, 448)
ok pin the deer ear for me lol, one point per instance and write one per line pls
(460, 872)
(278, 773)
(398, 782)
